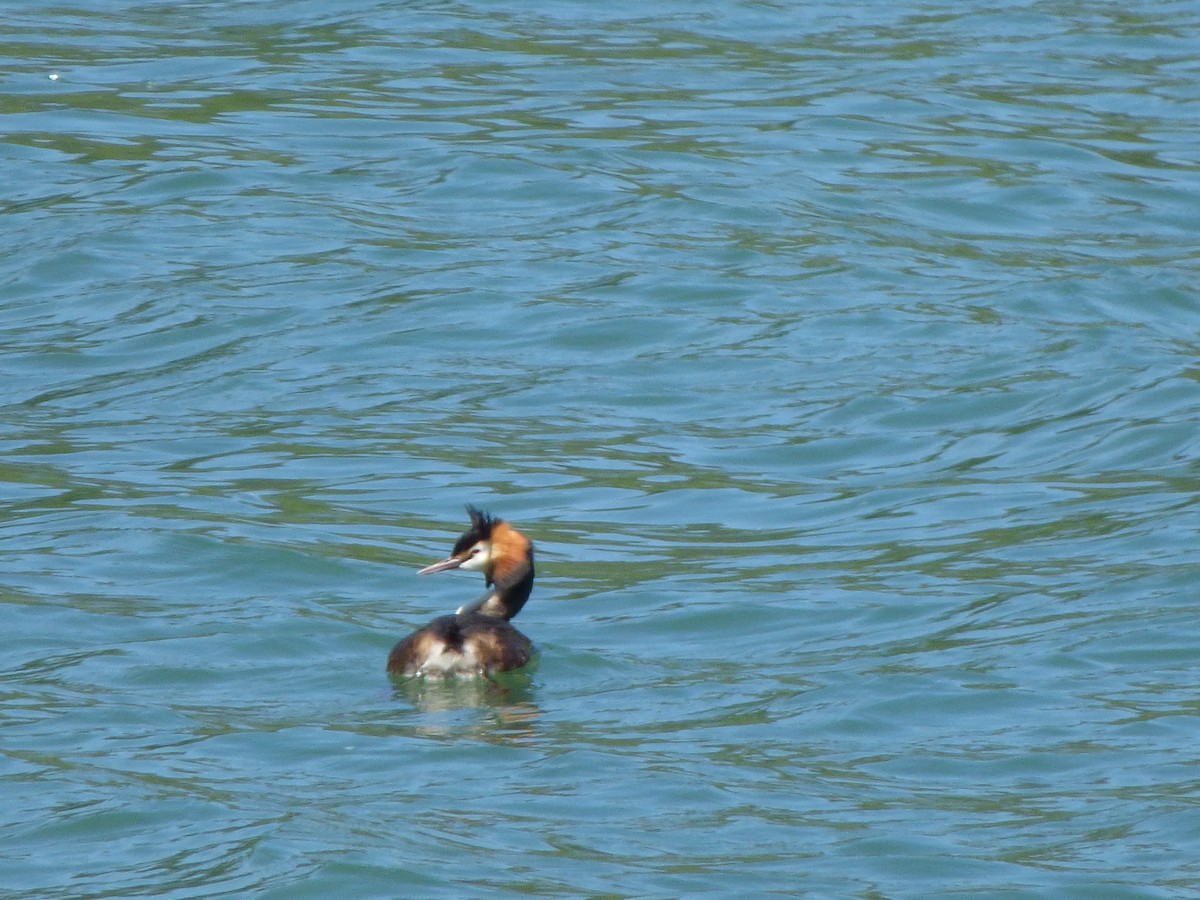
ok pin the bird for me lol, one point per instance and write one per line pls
(477, 640)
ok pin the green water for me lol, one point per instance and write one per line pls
(842, 360)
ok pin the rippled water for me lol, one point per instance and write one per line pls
(841, 359)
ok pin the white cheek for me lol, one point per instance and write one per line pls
(478, 561)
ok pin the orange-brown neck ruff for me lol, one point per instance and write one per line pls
(512, 555)
(510, 574)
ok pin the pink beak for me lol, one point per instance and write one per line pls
(444, 566)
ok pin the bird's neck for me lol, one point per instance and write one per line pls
(510, 589)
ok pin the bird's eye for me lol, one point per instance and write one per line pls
(475, 551)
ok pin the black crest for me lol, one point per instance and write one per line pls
(481, 529)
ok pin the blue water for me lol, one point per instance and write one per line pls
(842, 360)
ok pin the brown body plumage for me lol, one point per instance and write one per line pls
(478, 639)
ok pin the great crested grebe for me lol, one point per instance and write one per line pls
(477, 639)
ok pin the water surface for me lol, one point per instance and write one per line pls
(842, 361)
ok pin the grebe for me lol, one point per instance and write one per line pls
(477, 639)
